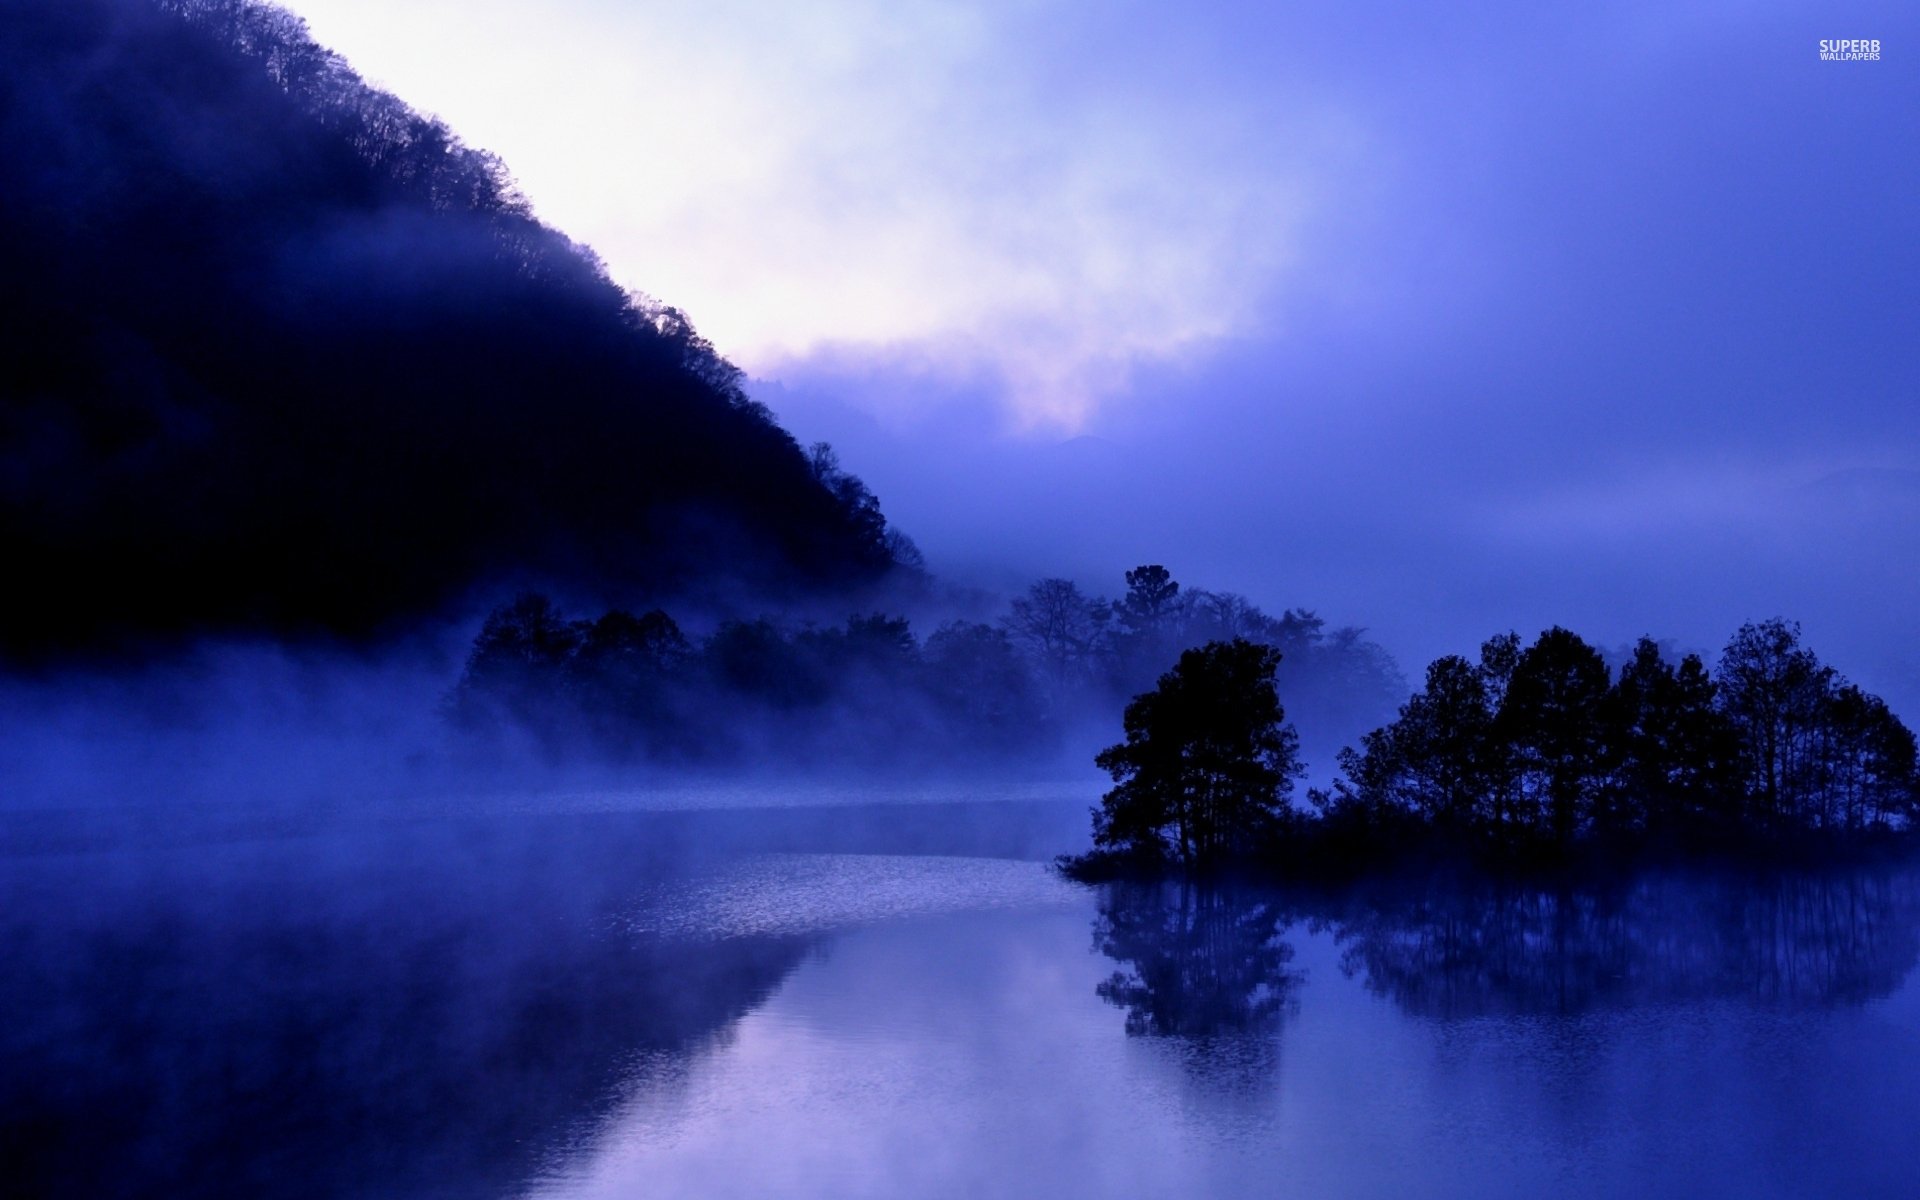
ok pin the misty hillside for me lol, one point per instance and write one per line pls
(279, 354)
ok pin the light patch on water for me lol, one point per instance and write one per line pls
(773, 894)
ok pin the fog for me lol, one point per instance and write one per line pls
(1614, 335)
(455, 740)
(1582, 326)
(1598, 319)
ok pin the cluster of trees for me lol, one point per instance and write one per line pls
(870, 689)
(280, 354)
(1543, 747)
(638, 687)
(1534, 750)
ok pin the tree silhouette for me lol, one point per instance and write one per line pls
(1773, 689)
(1059, 626)
(1551, 722)
(1152, 628)
(1208, 762)
(1152, 599)
(517, 669)
(757, 661)
(1870, 778)
(1534, 748)
(627, 679)
(1437, 762)
(1674, 751)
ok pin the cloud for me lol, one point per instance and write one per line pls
(1443, 320)
(1040, 194)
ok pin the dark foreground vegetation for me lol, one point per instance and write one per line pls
(1533, 756)
(870, 691)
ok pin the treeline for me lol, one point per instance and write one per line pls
(639, 687)
(1534, 754)
(1542, 748)
(1336, 680)
(633, 687)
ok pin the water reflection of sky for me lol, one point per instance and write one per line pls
(972, 1053)
(578, 1006)
(814, 893)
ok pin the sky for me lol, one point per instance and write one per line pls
(1440, 320)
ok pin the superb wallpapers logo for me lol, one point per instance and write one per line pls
(1850, 50)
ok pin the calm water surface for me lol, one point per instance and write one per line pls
(891, 996)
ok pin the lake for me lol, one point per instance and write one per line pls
(844, 993)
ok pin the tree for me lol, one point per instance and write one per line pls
(516, 669)
(1058, 624)
(870, 652)
(1223, 616)
(1533, 748)
(905, 552)
(1207, 765)
(1672, 750)
(1339, 684)
(1551, 720)
(1151, 629)
(620, 645)
(1774, 691)
(624, 673)
(1870, 758)
(1152, 599)
(756, 660)
(1436, 761)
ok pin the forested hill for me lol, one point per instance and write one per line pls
(279, 354)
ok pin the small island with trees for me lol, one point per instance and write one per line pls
(1535, 756)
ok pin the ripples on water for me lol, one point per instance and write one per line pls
(878, 998)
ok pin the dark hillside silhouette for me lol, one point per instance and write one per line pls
(279, 354)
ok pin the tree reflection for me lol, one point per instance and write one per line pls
(1196, 961)
(1794, 941)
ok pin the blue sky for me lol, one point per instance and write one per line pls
(1440, 319)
